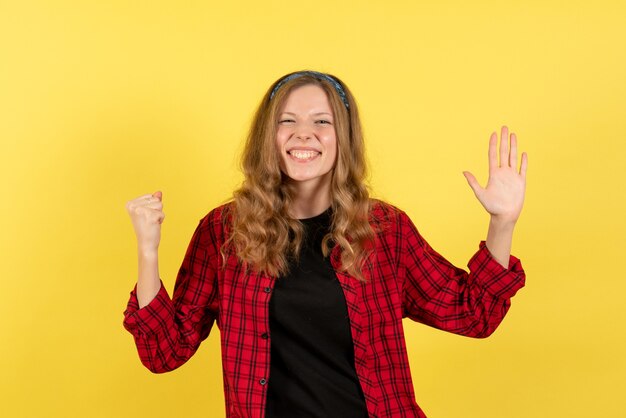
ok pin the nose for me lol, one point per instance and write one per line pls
(303, 131)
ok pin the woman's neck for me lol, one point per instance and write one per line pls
(310, 199)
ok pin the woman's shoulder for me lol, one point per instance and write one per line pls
(381, 211)
(386, 218)
(389, 220)
(217, 220)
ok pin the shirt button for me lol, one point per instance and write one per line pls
(264, 336)
(263, 381)
(267, 289)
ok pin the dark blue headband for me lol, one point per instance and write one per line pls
(317, 75)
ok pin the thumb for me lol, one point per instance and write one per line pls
(158, 195)
(473, 183)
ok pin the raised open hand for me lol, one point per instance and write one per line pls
(503, 197)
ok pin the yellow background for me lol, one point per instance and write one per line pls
(101, 101)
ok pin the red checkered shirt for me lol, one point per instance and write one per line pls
(406, 278)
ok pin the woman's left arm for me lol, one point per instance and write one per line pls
(503, 197)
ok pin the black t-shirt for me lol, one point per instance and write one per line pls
(312, 371)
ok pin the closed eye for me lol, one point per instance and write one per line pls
(285, 120)
(324, 122)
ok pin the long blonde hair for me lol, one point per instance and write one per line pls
(262, 233)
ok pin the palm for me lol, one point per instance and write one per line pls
(503, 197)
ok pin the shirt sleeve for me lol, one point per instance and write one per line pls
(446, 297)
(167, 332)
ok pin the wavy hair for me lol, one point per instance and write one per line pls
(262, 233)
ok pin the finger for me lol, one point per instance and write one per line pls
(473, 183)
(524, 165)
(513, 153)
(155, 217)
(137, 200)
(504, 146)
(493, 159)
(154, 205)
(151, 198)
(142, 197)
(144, 212)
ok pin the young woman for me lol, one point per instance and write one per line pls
(308, 278)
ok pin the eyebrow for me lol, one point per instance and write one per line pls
(314, 114)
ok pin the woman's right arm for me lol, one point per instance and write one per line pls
(146, 214)
(168, 331)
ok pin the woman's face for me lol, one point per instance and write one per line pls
(306, 138)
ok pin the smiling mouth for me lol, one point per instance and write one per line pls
(303, 155)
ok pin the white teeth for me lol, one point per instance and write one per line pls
(304, 155)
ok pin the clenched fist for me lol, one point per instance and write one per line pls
(146, 214)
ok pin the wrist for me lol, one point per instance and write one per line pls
(502, 223)
(147, 253)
